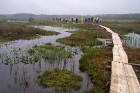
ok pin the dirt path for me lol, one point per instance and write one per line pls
(123, 77)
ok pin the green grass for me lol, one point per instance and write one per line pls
(61, 79)
(49, 52)
(123, 27)
(86, 35)
(15, 31)
(94, 62)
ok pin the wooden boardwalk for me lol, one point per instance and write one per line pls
(123, 77)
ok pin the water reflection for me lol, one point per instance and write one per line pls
(18, 77)
(132, 40)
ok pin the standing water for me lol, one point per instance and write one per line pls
(18, 77)
(132, 40)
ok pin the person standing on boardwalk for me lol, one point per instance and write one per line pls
(76, 20)
(72, 20)
(82, 20)
(91, 19)
(94, 20)
(97, 20)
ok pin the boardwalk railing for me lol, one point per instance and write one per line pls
(123, 77)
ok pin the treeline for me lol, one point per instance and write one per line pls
(121, 16)
(26, 16)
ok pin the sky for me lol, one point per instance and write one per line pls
(74, 7)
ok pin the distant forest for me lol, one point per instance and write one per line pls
(121, 16)
(26, 16)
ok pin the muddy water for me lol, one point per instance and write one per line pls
(18, 77)
(132, 40)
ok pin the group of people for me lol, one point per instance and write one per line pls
(65, 20)
(95, 20)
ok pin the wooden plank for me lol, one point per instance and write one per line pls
(118, 79)
(133, 82)
(123, 77)
(123, 55)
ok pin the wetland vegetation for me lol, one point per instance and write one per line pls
(18, 58)
(15, 31)
(93, 60)
(61, 79)
(49, 52)
(86, 35)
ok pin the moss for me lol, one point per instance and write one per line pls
(61, 79)
(94, 62)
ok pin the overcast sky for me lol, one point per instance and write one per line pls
(76, 7)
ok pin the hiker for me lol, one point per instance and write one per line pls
(94, 20)
(72, 20)
(82, 20)
(66, 20)
(76, 20)
(69, 19)
(85, 20)
(91, 19)
(97, 20)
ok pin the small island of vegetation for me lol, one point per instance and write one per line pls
(63, 80)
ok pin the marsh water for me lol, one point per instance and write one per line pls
(132, 40)
(18, 77)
